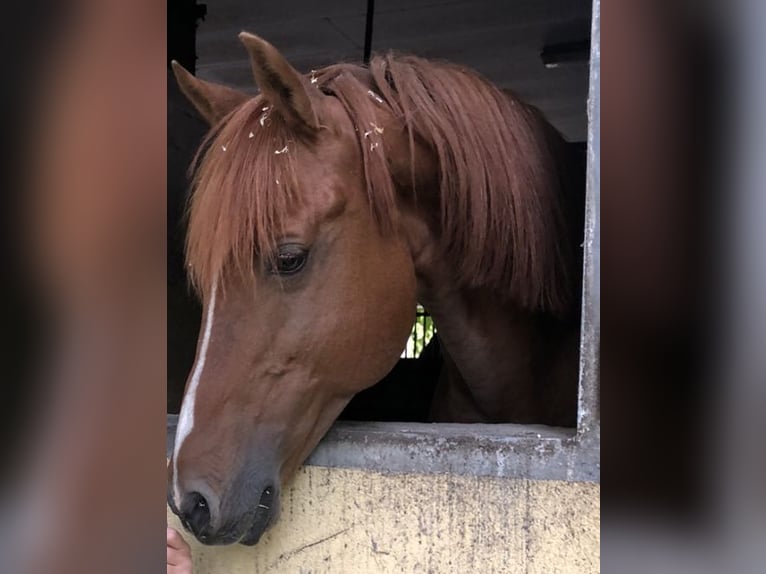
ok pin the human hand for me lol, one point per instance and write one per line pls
(179, 553)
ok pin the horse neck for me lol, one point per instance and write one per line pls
(501, 363)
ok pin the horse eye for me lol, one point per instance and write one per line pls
(290, 260)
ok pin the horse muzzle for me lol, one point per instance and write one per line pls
(214, 523)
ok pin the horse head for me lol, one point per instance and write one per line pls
(308, 292)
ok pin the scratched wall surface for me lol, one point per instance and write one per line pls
(355, 521)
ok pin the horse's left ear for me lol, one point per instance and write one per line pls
(280, 83)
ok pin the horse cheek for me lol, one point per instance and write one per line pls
(393, 292)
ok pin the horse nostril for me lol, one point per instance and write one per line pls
(267, 498)
(198, 513)
(199, 503)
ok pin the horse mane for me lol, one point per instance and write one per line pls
(501, 178)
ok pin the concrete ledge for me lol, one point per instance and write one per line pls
(510, 451)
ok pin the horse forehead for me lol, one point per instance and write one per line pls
(323, 201)
(328, 172)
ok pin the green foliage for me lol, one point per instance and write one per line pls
(422, 332)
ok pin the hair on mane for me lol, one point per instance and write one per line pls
(502, 183)
(242, 187)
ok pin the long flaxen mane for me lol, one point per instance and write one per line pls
(502, 186)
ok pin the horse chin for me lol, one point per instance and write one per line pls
(261, 523)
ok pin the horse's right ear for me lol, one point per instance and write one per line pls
(212, 101)
(280, 83)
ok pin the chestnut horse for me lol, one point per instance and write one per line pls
(323, 209)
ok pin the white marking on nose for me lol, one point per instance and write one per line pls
(186, 417)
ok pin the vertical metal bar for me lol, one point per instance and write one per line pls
(588, 417)
(368, 31)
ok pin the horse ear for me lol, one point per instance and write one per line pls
(280, 83)
(212, 101)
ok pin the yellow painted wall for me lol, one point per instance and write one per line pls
(353, 521)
